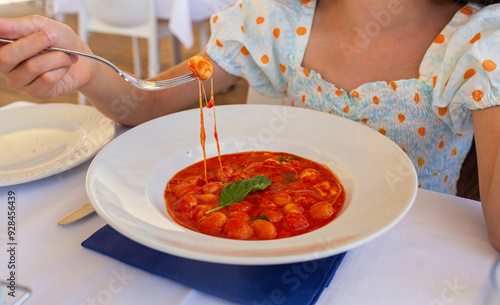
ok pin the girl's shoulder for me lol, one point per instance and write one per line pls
(463, 65)
(479, 9)
(255, 39)
(281, 4)
(479, 16)
(271, 7)
(471, 31)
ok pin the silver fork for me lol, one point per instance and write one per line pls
(139, 83)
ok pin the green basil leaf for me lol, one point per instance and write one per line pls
(263, 217)
(238, 190)
(290, 177)
(283, 159)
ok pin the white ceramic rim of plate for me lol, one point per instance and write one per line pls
(130, 201)
(96, 130)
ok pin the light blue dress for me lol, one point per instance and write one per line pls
(264, 42)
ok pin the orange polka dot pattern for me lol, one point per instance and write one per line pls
(427, 116)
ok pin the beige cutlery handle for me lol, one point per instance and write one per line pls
(79, 213)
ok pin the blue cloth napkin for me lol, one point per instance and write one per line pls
(299, 283)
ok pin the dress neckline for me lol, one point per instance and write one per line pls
(425, 75)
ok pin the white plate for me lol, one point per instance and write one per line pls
(127, 178)
(42, 140)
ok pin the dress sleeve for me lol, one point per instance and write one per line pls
(469, 76)
(251, 40)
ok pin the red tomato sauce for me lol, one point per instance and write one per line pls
(303, 196)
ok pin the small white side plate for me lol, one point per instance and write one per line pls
(42, 140)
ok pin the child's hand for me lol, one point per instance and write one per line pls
(42, 74)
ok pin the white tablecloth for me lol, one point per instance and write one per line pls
(180, 13)
(438, 254)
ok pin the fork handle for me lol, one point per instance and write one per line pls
(68, 51)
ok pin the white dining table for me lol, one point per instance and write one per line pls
(438, 253)
(180, 13)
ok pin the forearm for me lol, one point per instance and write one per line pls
(116, 98)
(28, 67)
(487, 135)
(490, 201)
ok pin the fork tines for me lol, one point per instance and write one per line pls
(178, 80)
